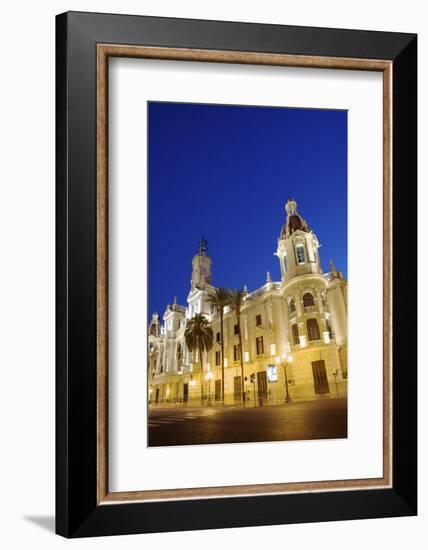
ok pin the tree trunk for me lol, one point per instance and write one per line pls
(222, 357)
(242, 360)
(202, 377)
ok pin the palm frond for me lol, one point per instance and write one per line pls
(198, 334)
(219, 297)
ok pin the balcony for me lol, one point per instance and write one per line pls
(305, 343)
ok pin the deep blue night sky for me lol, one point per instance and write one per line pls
(225, 172)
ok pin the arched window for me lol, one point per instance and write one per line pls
(313, 329)
(330, 332)
(308, 299)
(295, 333)
(291, 306)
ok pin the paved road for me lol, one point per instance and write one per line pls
(187, 425)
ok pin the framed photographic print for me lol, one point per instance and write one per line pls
(236, 274)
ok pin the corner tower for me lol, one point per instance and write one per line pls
(297, 246)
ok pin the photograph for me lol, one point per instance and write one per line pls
(247, 274)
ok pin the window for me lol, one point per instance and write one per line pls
(285, 263)
(259, 345)
(258, 320)
(292, 306)
(236, 329)
(300, 254)
(236, 354)
(295, 333)
(217, 337)
(217, 358)
(330, 332)
(308, 299)
(313, 329)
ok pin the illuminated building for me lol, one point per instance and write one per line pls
(296, 327)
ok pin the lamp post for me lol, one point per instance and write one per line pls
(335, 381)
(253, 381)
(209, 378)
(286, 359)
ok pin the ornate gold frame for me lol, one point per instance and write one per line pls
(104, 52)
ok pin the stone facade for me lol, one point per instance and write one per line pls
(294, 332)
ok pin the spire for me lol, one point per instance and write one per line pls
(291, 207)
(268, 277)
(203, 247)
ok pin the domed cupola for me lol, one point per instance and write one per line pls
(154, 327)
(294, 221)
(297, 246)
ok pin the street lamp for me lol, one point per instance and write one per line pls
(286, 359)
(209, 377)
(335, 380)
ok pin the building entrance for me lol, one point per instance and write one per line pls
(262, 387)
(217, 394)
(320, 377)
(237, 388)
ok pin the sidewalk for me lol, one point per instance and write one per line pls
(248, 404)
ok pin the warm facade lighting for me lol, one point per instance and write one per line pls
(273, 334)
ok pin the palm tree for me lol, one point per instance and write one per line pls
(236, 303)
(220, 298)
(199, 336)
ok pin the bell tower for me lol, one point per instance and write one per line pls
(200, 284)
(201, 267)
(297, 246)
